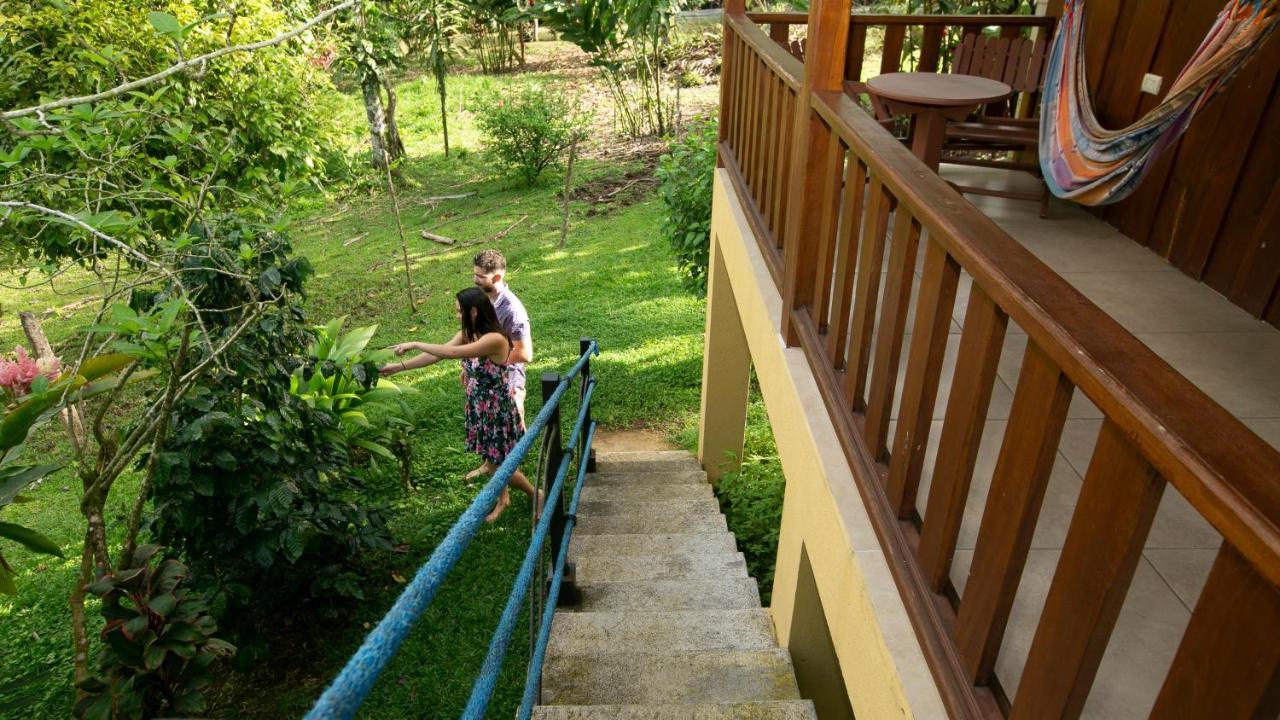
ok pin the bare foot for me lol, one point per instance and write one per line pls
(484, 469)
(498, 509)
(537, 511)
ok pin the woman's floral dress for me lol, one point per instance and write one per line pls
(493, 425)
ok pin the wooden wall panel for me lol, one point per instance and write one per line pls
(1209, 205)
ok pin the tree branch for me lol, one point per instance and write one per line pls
(179, 67)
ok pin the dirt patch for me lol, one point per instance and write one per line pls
(630, 440)
(609, 194)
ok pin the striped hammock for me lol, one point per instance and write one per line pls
(1091, 165)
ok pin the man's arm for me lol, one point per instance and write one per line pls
(521, 351)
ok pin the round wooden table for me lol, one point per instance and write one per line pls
(934, 99)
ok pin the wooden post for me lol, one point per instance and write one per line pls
(69, 416)
(823, 71)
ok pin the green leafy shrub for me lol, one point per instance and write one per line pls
(258, 489)
(158, 643)
(685, 177)
(751, 499)
(529, 131)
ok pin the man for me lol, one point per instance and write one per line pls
(489, 272)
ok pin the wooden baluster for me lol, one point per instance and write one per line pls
(778, 149)
(930, 48)
(825, 48)
(855, 181)
(736, 107)
(893, 321)
(771, 148)
(924, 366)
(1013, 506)
(870, 260)
(766, 137)
(784, 191)
(1104, 544)
(857, 49)
(724, 132)
(1228, 664)
(971, 386)
(891, 59)
(820, 302)
(779, 33)
(753, 122)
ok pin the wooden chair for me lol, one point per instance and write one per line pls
(1019, 63)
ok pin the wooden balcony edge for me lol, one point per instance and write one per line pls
(1220, 466)
(797, 18)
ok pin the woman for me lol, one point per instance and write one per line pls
(493, 424)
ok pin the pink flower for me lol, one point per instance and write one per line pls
(19, 370)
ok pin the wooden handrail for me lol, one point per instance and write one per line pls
(783, 63)
(1228, 473)
(794, 18)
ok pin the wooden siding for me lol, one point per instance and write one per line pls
(1211, 206)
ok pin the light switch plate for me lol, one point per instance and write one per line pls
(1151, 84)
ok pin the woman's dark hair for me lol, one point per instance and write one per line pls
(486, 319)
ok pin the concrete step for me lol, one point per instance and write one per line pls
(691, 521)
(657, 632)
(583, 546)
(668, 678)
(674, 566)
(774, 710)
(665, 595)
(644, 491)
(653, 508)
(670, 477)
(646, 461)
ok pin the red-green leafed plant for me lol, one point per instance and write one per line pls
(158, 643)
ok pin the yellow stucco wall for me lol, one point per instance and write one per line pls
(883, 668)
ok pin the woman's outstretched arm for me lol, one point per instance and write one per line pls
(423, 359)
(489, 345)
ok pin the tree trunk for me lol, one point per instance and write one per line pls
(395, 146)
(377, 116)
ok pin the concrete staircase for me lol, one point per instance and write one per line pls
(670, 625)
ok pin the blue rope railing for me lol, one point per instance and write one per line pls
(353, 684)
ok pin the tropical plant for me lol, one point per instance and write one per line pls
(529, 131)
(685, 176)
(493, 32)
(158, 642)
(625, 40)
(341, 377)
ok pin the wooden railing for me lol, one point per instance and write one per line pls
(1159, 429)
(923, 43)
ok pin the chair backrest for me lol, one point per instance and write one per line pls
(1017, 62)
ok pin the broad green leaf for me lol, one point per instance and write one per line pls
(162, 604)
(13, 478)
(6, 583)
(376, 449)
(154, 657)
(30, 539)
(164, 23)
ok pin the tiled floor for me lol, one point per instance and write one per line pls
(1230, 355)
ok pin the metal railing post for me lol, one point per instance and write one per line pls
(554, 449)
(584, 347)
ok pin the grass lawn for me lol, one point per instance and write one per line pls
(614, 281)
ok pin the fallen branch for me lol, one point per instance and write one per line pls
(510, 227)
(356, 239)
(605, 197)
(438, 238)
(441, 198)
